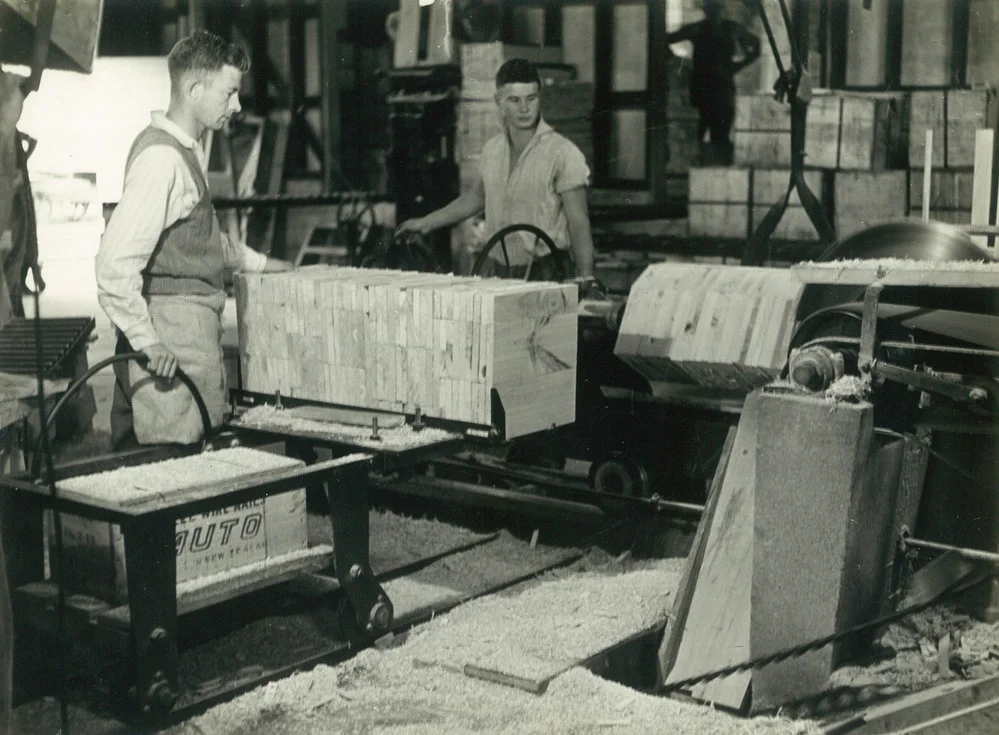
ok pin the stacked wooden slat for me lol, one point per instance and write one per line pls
(950, 195)
(731, 202)
(714, 326)
(210, 543)
(761, 133)
(395, 341)
(854, 132)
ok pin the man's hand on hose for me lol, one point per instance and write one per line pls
(161, 362)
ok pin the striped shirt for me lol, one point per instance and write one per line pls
(549, 166)
(159, 191)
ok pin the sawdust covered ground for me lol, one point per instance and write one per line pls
(396, 691)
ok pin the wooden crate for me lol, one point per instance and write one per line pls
(866, 198)
(761, 133)
(396, 341)
(715, 326)
(719, 202)
(769, 186)
(209, 543)
(852, 132)
(983, 29)
(953, 116)
(950, 195)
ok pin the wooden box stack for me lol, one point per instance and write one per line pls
(210, 543)
(731, 202)
(396, 341)
(718, 203)
(761, 133)
(720, 326)
(953, 116)
(769, 186)
(867, 198)
(853, 132)
(478, 121)
(950, 195)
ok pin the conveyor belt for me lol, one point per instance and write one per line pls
(61, 337)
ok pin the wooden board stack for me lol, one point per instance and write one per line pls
(715, 326)
(395, 341)
(209, 543)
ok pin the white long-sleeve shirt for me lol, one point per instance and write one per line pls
(159, 191)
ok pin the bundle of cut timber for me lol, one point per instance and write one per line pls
(953, 116)
(486, 352)
(714, 326)
(94, 551)
(478, 121)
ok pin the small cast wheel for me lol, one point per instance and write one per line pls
(620, 475)
(505, 269)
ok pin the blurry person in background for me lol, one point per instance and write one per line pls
(722, 48)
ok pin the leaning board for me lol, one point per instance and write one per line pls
(396, 340)
(719, 326)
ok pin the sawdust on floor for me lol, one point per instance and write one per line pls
(271, 418)
(392, 691)
(914, 660)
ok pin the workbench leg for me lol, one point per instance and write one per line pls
(347, 490)
(151, 563)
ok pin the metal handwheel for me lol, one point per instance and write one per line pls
(505, 268)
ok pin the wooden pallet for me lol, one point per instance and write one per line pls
(395, 341)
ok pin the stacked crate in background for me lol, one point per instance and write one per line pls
(953, 116)
(567, 106)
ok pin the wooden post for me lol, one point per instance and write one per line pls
(927, 175)
(981, 188)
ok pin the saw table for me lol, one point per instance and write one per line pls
(146, 626)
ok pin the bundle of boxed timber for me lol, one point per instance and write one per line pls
(94, 560)
(731, 202)
(481, 61)
(483, 352)
(715, 326)
(950, 195)
(953, 116)
(867, 198)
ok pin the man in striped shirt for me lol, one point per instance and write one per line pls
(528, 174)
(161, 261)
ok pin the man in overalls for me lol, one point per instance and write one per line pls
(161, 261)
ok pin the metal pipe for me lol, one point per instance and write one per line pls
(975, 554)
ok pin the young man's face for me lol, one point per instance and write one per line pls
(216, 97)
(519, 105)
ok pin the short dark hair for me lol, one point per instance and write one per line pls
(203, 52)
(517, 71)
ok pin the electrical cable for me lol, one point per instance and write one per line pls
(46, 454)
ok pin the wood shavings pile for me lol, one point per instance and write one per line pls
(386, 692)
(850, 389)
(170, 475)
(550, 627)
(402, 437)
(906, 264)
(915, 664)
